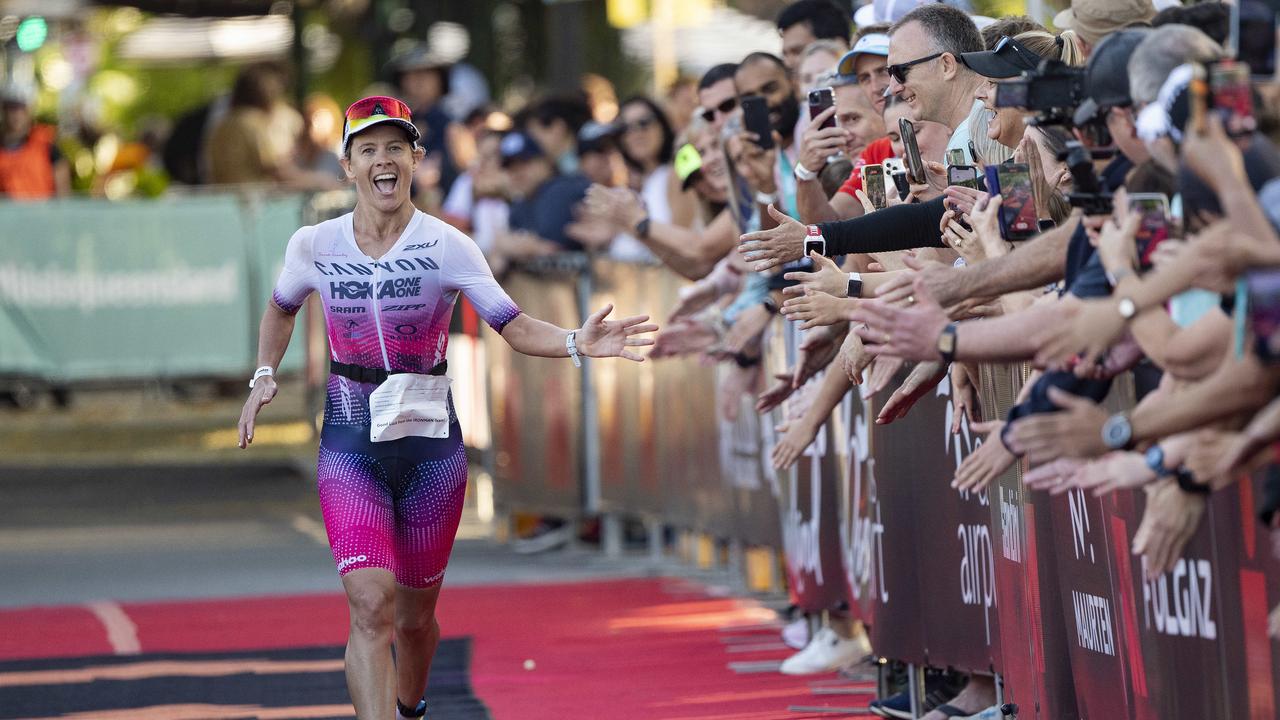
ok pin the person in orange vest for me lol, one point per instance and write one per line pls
(31, 167)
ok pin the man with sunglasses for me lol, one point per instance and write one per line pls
(926, 72)
(392, 470)
(718, 95)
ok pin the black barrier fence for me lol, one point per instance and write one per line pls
(1042, 591)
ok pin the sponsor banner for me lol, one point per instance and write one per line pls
(139, 289)
(1032, 637)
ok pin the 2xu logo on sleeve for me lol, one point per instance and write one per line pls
(394, 288)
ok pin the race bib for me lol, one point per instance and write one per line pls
(408, 404)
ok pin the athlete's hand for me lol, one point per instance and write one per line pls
(611, 338)
(263, 392)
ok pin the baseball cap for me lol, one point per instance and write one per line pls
(1007, 59)
(516, 145)
(1106, 82)
(596, 137)
(688, 164)
(1095, 19)
(869, 44)
(376, 110)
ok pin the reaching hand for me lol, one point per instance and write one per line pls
(799, 435)
(768, 249)
(746, 329)
(911, 332)
(1073, 431)
(683, 337)
(817, 309)
(884, 368)
(738, 381)
(986, 463)
(817, 350)
(1169, 521)
(611, 338)
(1089, 327)
(964, 397)
(854, 358)
(263, 392)
(826, 277)
(780, 390)
(923, 378)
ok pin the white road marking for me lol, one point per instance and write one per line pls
(121, 632)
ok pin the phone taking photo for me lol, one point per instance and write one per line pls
(963, 176)
(1018, 217)
(1153, 227)
(755, 119)
(1263, 312)
(819, 100)
(873, 185)
(915, 165)
(1231, 96)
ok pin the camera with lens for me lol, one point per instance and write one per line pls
(1052, 91)
(1088, 193)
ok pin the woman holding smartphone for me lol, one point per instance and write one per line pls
(392, 469)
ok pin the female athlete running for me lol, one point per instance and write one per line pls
(392, 468)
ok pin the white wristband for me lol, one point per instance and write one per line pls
(571, 344)
(767, 198)
(804, 174)
(264, 371)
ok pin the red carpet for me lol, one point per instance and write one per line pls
(655, 649)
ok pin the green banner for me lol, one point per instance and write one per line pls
(96, 290)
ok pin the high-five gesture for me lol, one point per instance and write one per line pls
(768, 249)
(611, 338)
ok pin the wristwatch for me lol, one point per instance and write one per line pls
(1155, 461)
(947, 343)
(804, 174)
(1117, 432)
(642, 228)
(855, 285)
(1127, 308)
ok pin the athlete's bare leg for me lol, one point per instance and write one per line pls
(371, 599)
(417, 636)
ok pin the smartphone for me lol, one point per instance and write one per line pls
(1018, 217)
(915, 165)
(963, 175)
(1231, 96)
(819, 100)
(955, 156)
(873, 185)
(1263, 315)
(755, 119)
(1153, 228)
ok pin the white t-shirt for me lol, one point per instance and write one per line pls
(960, 138)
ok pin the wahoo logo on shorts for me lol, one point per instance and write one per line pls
(349, 561)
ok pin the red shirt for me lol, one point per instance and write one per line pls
(875, 153)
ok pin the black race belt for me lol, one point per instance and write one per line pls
(376, 376)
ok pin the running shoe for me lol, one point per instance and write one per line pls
(826, 652)
(404, 713)
(544, 538)
(899, 706)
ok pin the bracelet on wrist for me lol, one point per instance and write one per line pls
(804, 174)
(764, 198)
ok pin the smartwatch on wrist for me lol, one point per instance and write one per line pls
(813, 241)
(804, 174)
(1155, 461)
(947, 343)
(1117, 432)
(855, 285)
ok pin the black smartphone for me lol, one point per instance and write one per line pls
(873, 185)
(915, 165)
(964, 176)
(755, 119)
(1153, 228)
(1231, 96)
(819, 100)
(1263, 315)
(1018, 217)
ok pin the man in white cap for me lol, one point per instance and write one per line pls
(31, 167)
(1093, 20)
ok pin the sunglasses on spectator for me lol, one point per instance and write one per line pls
(899, 72)
(725, 108)
(638, 125)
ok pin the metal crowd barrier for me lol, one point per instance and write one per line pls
(1041, 591)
